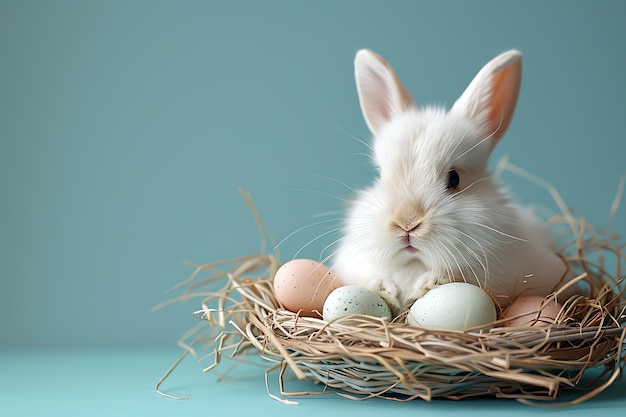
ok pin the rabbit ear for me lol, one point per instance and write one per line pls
(491, 97)
(381, 93)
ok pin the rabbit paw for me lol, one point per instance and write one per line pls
(426, 282)
(390, 292)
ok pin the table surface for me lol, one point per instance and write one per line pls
(121, 382)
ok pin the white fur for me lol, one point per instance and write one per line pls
(474, 233)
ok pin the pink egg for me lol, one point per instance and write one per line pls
(532, 310)
(302, 285)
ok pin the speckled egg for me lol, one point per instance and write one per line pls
(453, 306)
(531, 310)
(353, 299)
(302, 285)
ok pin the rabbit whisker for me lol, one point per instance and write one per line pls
(312, 241)
(501, 233)
(367, 155)
(301, 229)
(343, 184)
(331, 244)
(474, 255)
(439, 247)
(467, 263)
(317, 192)
(361, 141)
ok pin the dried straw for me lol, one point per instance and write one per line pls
(360, 357)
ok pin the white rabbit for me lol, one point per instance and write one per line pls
(435, 214)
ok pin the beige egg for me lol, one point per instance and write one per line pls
(302, 285)
(532, 310)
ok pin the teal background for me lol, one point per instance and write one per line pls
(126, 128)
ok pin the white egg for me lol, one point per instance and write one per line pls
(353, 299)
(453, 306)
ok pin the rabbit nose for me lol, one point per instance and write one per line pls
(410, 227)
(408, 217)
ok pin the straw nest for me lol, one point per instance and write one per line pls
(361, 357)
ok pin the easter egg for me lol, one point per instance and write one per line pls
(354, 299)
(453, 306)
(302, 285)
(531, 310)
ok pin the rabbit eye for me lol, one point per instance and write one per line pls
(453, 179)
